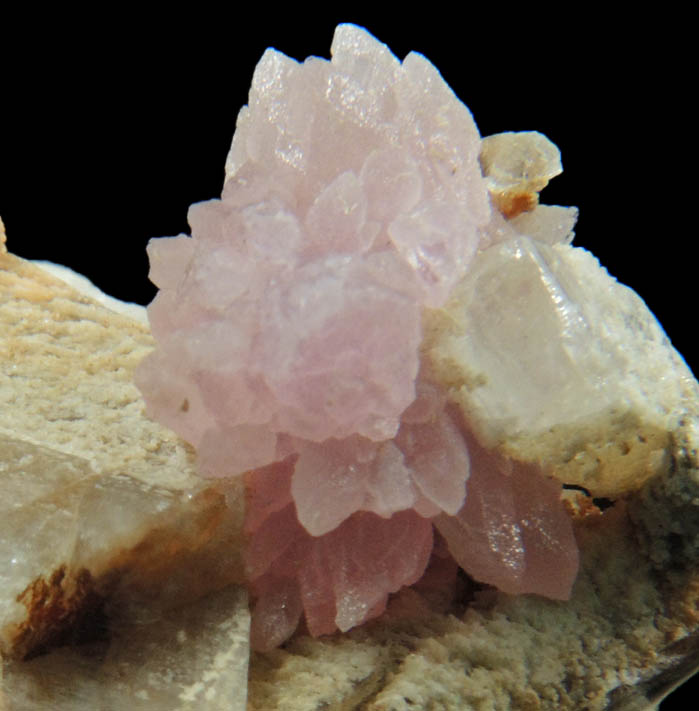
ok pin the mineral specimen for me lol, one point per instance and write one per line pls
(289, 330)
(626, 636)
(536, 362)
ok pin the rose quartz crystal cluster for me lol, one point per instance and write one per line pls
(288, 331)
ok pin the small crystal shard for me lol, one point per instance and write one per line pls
(517, 166)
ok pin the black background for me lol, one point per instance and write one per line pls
(113, 121)
(111, 129)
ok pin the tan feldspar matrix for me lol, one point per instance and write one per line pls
(389, 359)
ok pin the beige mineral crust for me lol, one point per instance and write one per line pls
(105, 531)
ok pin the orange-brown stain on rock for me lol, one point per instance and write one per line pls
(513, 204)
(580, 506)
(59, 610)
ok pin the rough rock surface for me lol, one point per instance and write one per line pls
(187, 658)
(104, 527)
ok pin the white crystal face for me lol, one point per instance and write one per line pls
(542, 343)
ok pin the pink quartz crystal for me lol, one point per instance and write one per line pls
(512, 531)
(288, 333)
(339, 579)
